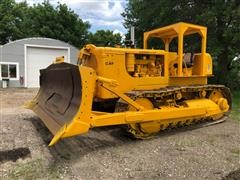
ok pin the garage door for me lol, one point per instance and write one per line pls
(40, 58)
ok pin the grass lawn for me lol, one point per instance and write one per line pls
(235, 114)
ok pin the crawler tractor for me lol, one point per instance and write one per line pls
(145, 90)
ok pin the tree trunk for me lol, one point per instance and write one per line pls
(223, 69)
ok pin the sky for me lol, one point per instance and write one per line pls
(102, 14)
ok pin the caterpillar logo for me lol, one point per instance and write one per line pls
(109, 63)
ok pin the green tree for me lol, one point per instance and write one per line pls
(59, 23)
(11, 17)
(17, 20)
(105, 38)
(222, 17)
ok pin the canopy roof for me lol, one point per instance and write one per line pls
(172, 31)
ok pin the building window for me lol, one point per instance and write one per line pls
(12, 70)
(9, 71)
(4, 69)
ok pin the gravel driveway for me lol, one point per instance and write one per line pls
(107, 153)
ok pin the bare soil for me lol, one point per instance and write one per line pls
(107, 153)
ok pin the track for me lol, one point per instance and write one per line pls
(169, 96)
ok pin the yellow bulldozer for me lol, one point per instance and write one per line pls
(146, 90)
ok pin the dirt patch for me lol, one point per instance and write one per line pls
(108, 153)
(14, 154)
(234, 175)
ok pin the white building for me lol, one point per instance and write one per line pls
(21, 60)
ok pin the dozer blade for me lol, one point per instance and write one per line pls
(59, 103)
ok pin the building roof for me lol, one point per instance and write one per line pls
(34, 38)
